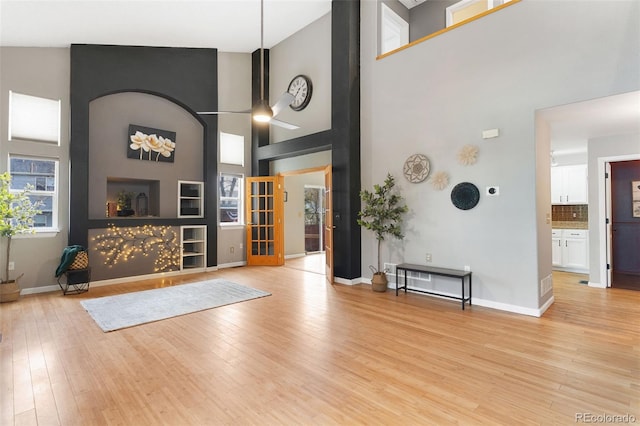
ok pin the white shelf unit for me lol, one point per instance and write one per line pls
(190, 198)
(193, 243)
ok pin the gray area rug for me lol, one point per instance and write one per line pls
(126, 310)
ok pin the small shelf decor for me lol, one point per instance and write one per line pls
(416, 168)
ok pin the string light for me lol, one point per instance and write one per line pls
(123, 244)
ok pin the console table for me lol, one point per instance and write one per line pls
(444, 272)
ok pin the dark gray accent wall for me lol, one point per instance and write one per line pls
(428, 18)
(186, 77)
(343, 138)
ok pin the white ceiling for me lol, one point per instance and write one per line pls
(234, 26)
(228, 25)
(574, 124)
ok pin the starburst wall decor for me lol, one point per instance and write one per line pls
(468, 155)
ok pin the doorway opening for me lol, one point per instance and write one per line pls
(622, 188)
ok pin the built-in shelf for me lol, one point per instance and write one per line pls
(190, 199)
(193, 242)
(135, 187)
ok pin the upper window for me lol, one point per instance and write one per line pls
(34, 118)
(467, 9)
(394, 30)
(42, 175)
(231, 149)
(230, 188)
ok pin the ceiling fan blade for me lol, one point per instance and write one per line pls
(284, 101)
(283, 124)
(248, 111)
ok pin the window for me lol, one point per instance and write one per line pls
(394, 30)
(42, 175)
(231, 149)
(467, 9)
(230, 188)
(34, 118)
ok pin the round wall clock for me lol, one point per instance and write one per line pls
(300, 87)
(416, 168)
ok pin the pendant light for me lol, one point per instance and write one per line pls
(261, 111)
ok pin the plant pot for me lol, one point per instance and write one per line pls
(9, 291)
(379, 282)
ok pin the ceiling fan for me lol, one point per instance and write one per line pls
(261, 111)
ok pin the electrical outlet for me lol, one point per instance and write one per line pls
(232, 249)
(12, 266)
(428, 257)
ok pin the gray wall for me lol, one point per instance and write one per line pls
(44, 73)
(307, 52)
(428, 17)
(497, 75)
(234, 94)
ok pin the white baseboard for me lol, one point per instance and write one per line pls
(513, 308)
(230, 265)
(347, 281)
(597, 285)
(294, 256)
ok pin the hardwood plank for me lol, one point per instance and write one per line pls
(318, 354)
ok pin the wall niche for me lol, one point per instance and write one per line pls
(112, 170)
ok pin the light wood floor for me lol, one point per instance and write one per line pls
(318, 354)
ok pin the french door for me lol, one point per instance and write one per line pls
(264, 213)
(328, 224)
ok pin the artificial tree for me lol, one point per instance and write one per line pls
(382, 213)
(17, 214)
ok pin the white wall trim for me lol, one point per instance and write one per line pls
(230, 265)
(597, 285)
(294, 256)
(346, 281)
(514, 308)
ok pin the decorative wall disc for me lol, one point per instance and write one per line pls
(440, 180)
(465, 196)
(468, 155)
(416, 168)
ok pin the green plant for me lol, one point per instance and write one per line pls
(382, 212)
(16, 215)
(124, 199)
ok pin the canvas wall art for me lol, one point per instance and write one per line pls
(149, 144)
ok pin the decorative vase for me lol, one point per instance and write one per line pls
(9, 291)
(379, 282)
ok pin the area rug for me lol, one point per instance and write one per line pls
(127, 310)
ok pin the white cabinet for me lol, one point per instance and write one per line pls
(569, 184)
(570, 250)
(556, 247)
(193, 244)
(190, 199)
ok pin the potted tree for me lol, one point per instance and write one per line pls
(382, 214)
(16, 217)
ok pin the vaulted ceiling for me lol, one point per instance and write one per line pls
(228, 25)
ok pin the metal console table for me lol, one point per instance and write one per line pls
(444, 272)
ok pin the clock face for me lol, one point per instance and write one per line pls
(300, 88)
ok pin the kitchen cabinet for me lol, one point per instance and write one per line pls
(569, 184)
(570, 250)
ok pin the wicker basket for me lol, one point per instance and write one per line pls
(81, 261)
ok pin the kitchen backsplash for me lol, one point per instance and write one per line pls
(570, 213)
